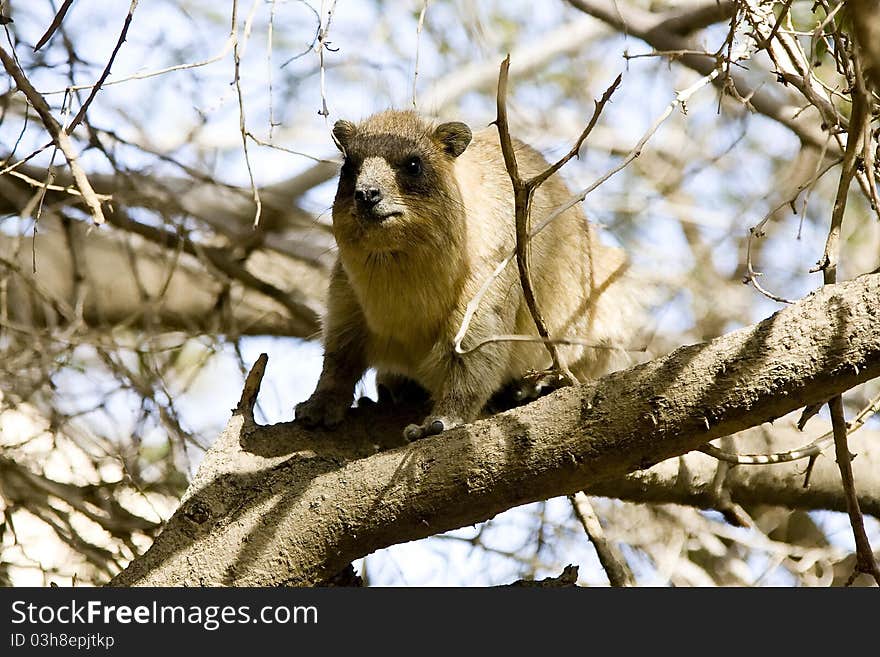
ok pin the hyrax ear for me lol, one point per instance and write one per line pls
(343, 131)
(454, 137)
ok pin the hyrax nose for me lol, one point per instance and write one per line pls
(367, 196)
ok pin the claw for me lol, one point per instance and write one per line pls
(431, 427)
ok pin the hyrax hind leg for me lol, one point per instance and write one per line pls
(399, 389)
(469, 382)
(394, 389)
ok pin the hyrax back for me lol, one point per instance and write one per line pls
(423, 214)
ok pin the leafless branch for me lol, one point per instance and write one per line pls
(865, 562)
(59, 135)
(56, 23)
(680, 99)
(610, 557)
(80, 115)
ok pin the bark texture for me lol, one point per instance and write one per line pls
(281, 505)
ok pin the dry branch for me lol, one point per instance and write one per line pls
(295, 507)
(59, 135)
(523, 192)
(651, 29)
(688, 480)
(81, 114)
(865, 562)
(54, 25)
(613, 562)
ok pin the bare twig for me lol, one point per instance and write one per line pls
(224, 50)
(473, 305)
(865, 562)
(236, 56)
(723, 501)
(58, 134)
(269, 144)
(85, 106)
(599, 106)
(672, 54)
(311, 45)
(810, 451)
(56, 23)
(522, 194)
(757, 231)
(782, 14)
(55, 188)
(324, 44)
(269, 46)
(610, 557)
(828, 263)
(418, 44)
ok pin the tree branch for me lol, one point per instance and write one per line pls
(281, 505)
(270, 294)
(59, 135)
(653, 30)
(865, 562)
(688, 479)
(613, 562)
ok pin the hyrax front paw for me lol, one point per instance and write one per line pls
(325, 409)
(432, 425)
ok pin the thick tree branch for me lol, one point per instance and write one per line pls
(295, 507)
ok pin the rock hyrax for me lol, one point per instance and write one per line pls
(422, 216)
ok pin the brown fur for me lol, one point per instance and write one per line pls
(399, 288)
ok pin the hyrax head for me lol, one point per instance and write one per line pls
(396, 186)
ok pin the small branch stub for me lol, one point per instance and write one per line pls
(252, 387)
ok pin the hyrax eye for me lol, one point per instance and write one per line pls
(413, 166)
